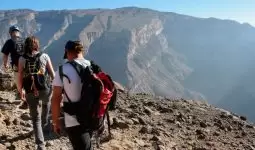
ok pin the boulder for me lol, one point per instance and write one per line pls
(6, 81)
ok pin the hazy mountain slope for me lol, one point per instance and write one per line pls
(149, 51)
(241, 98)
(218, 51)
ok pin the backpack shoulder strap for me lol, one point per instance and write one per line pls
(78, 68)
(62, 75)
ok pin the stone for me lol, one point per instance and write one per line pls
(216, 133)
(7, 121)
(165, 110)
(243, 118)
(155, 131)
(178, 124)
(230, 128)
(170, 120)
(150, 104)
(7, 144)
(155, 138)
(199, 148)
(6, 81)
(201, 136)
(141, 121)
(211, 144)
(49, 143)
(180, 117)
(140, 142)
(249, 126)
(148, 111)
(119, 124)
(203, 124)
(198, 131)
(16, 121)
(244, 133)
(3, 137)
(129, 121)
(133, 106)
(135, 121)
(146, 130)
(2, 146)
(25, 117)
(25, 124)
(251, 147)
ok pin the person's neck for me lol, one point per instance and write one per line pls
(78, 56)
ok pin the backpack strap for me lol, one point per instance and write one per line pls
(81, 70)
(78, 68)
(62, 75)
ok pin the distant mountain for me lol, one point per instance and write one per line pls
(149, 51)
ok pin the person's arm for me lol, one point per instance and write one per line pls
(6, 51)
(55, 107)
(50, 68)
(55, 102)
(5, 60)
(20, 78)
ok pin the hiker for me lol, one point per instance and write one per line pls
(34, 87)
(15, 47)
(87, 93)
(80, 138)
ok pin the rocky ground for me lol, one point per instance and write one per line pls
(142, 122)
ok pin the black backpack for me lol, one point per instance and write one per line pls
(96, 93)
(18, 45)
(33, 78)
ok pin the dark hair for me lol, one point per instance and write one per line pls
(74, 47)
(31, 44)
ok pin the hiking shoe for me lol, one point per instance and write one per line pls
(23, 105)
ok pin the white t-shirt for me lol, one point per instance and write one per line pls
(73, 90)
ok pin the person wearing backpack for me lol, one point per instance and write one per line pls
(34, 87)
(87, 93)
(79, 138)
(15, 47)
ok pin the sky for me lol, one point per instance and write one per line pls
(239, 10)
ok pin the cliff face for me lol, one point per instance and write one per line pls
(148, 51)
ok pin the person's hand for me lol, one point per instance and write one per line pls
(57, 127)
(5, 67)
(36, 93)
(23, 95)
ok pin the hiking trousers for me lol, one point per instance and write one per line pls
(80, 139)
(40, 119)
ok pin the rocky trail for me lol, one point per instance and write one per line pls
(142, 122)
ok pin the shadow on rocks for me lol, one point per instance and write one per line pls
(17, 138)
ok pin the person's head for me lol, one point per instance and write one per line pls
(14, 31)
(31, 45)
(73, 49)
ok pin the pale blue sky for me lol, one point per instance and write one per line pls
(240, 10)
